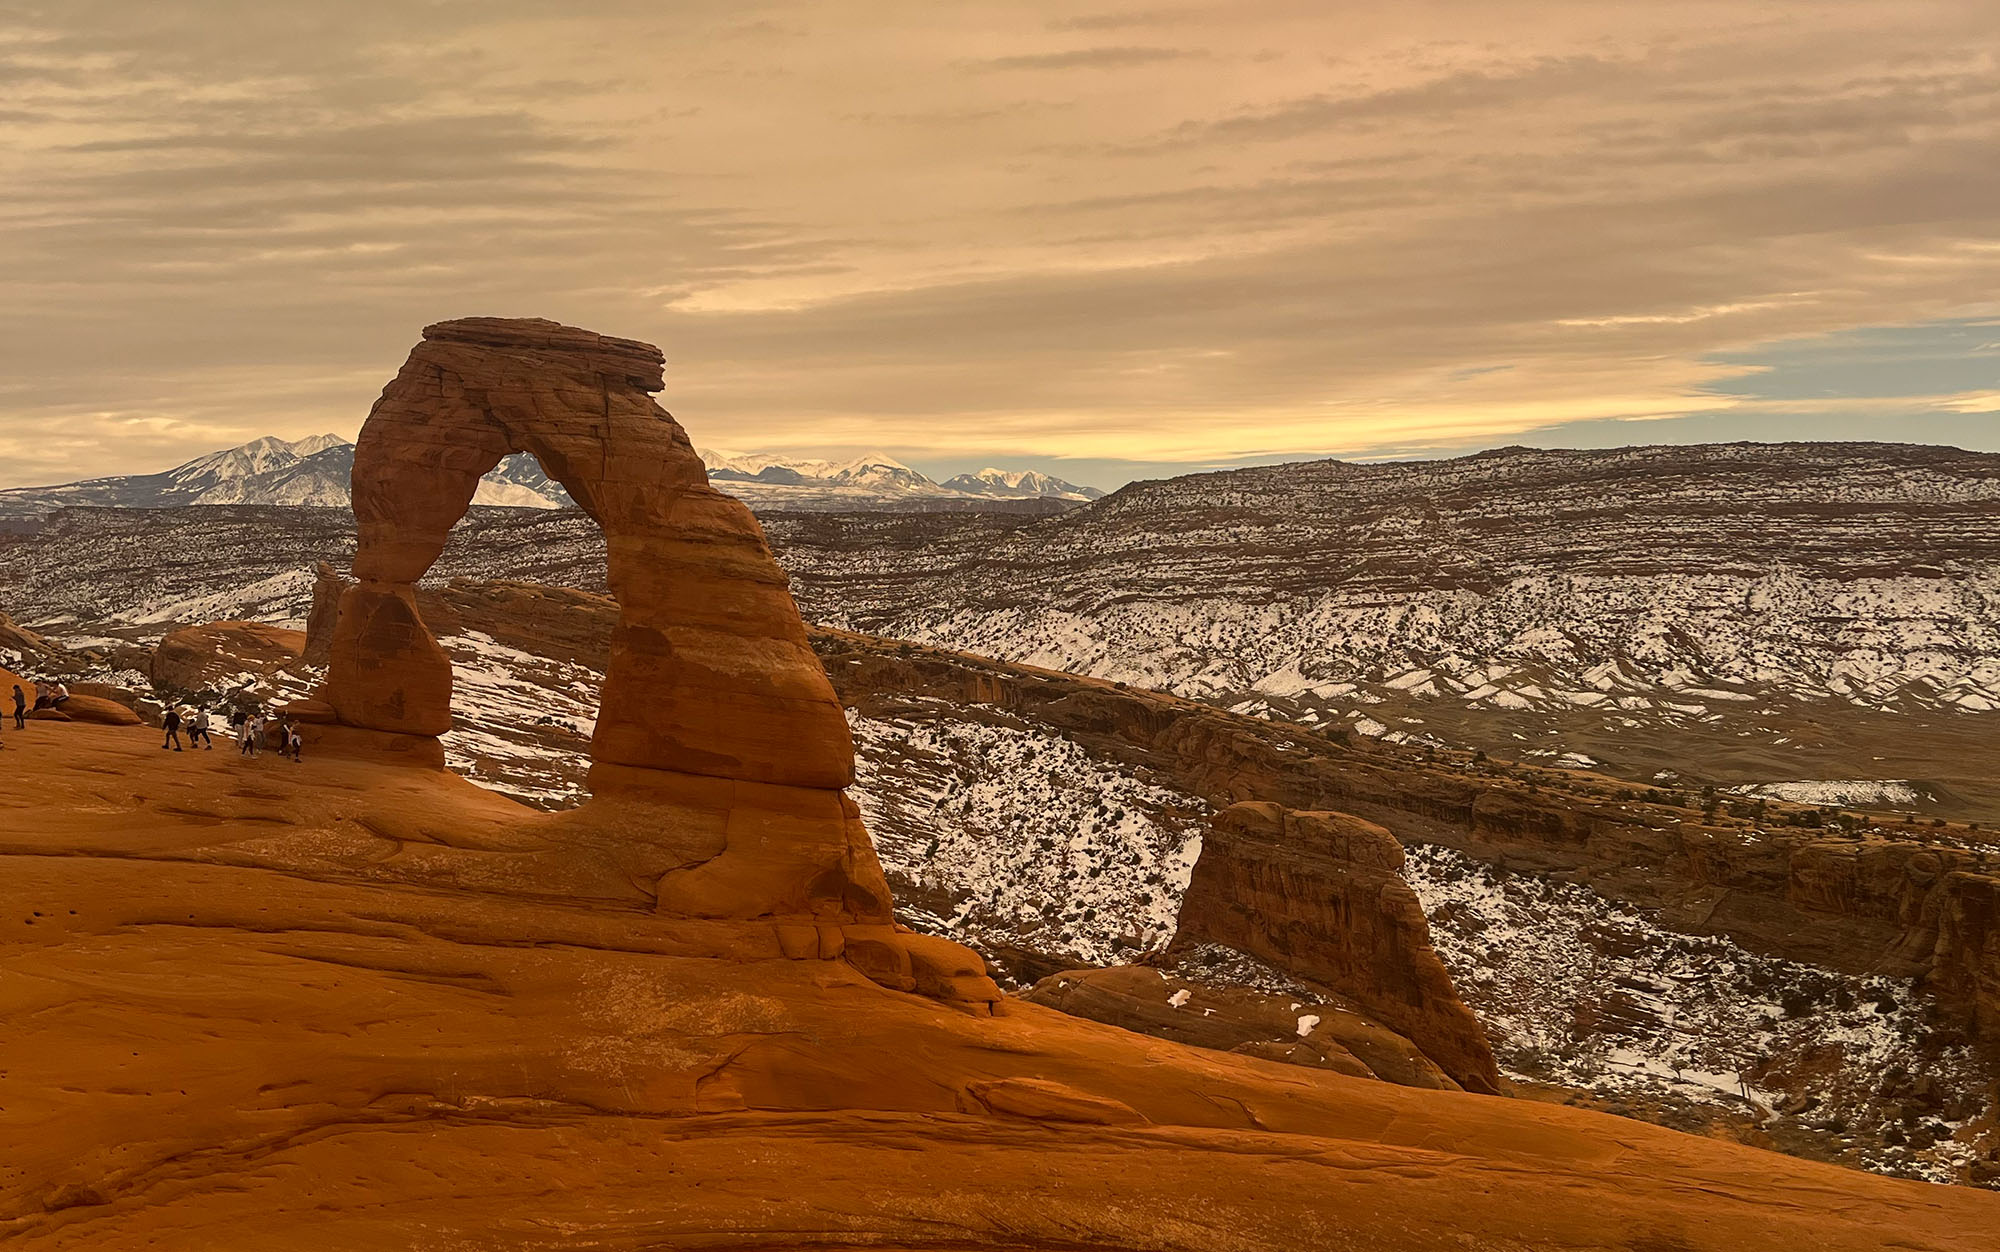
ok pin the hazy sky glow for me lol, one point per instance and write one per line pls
(1118, 239)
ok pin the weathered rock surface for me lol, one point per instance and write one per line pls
(1235, 1019)
(24, 642)
(196, 658)
(8, 681)
(1967, 916)
(97, 709)
(1320, 896)
(329, 585)
(719, 740)
(340, 1004)
(705, 616)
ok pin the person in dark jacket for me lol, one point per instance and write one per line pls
(20, 708)
(173, 725)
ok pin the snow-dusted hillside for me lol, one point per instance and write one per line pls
(1635, 582)
(1748, 615)
(998, 829)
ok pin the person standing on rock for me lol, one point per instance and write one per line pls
(173, 725)
(20, 708)
(253, 729)
(198, 729)
(294, 743)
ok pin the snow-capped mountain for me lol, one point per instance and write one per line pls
(877, 481)
(1016, 484)
(270, 470)
(309, 473)
(314, 472)
(866, 481)
(519, 482)
(873, 472)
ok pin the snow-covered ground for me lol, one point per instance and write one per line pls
(521, 723)
(1589, 993)
(1876, 793)
(1023, 835)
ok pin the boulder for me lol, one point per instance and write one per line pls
(328, 587)
(97, 709)
(1321, 895)
(215, 654)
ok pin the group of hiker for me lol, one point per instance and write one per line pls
(47, 696)
(254, 729)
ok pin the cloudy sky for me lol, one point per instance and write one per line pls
(1102, 240)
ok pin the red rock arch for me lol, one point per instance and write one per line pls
(721, 750)
(710, 674)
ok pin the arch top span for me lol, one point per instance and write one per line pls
(711, 673)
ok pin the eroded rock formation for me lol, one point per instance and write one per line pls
(1321, 896)
(281, 1008)
(218, 653)
(719, 736)
(18, 639)
(1240, 1020)
(329, 585)
(710, 670)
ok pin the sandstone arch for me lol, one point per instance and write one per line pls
(721, 750)
(710, 671)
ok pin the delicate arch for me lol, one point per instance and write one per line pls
(710, 674)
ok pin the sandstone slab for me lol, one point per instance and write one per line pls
(252, 1005)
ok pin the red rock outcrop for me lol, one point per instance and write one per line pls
(14, 638)
(719, 734)
(8, 681)
(257, 1005)
(705, 616)
(1321, 895)
(197, 657)
(1967, 909)
(328, 588)
(1237, 1019)
(97, 709)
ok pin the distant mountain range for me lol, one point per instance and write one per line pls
(314, 472)
(868, 481)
